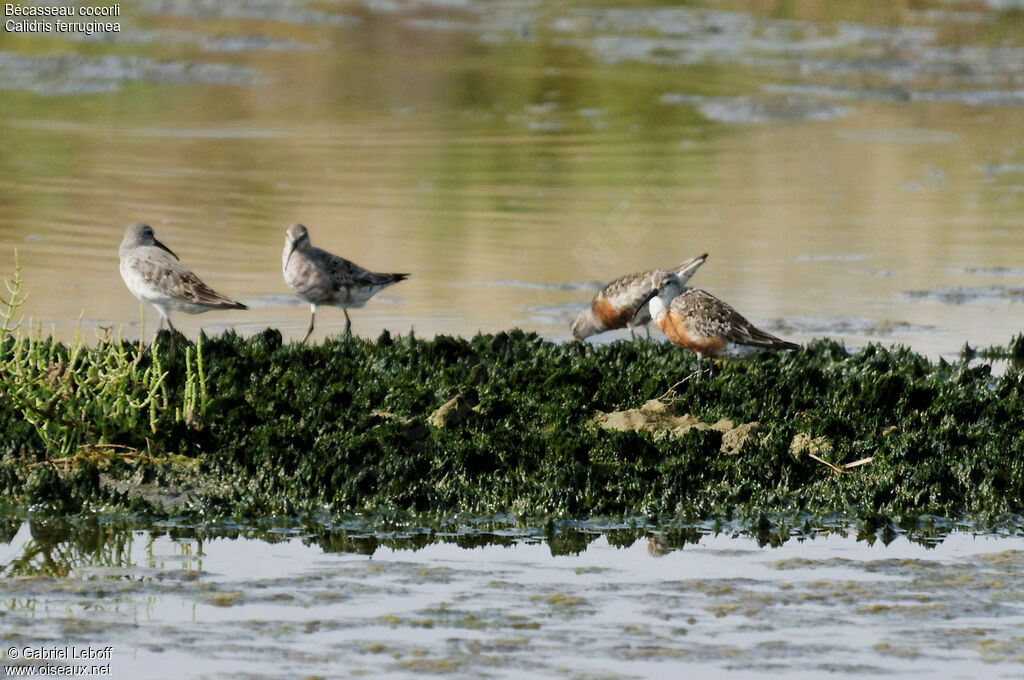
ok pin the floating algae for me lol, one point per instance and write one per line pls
(480, 597)
(660, 419)
(805, 443)
(450, 413)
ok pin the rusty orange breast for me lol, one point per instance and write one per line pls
(676, 329)
(610, 315)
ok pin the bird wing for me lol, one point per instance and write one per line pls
(687, 269)
(709, 316)
(627, 292)
(162, 272)
(345, 274)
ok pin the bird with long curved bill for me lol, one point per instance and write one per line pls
(322, 278)
(617, 305)
(698, 321)
(154, 274)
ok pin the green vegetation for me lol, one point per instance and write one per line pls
(252, 428)
(74, 395)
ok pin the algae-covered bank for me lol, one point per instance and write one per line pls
(505, 423)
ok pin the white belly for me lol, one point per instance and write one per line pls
(736, 351)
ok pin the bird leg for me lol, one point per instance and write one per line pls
(632, 333)
(700, 368)
(159, 327)
(348, 322)
(309, 331)
(647, 327)
(174, 331)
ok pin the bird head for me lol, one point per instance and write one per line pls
(584, 325)
(140, 234)
(293, 238)
(667, 289)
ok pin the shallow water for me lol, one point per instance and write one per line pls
(857, 165)
(508, 601)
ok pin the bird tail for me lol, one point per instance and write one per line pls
(772, 342)
(760, 338)
(685, 270)
(207, 296)
(225, 303)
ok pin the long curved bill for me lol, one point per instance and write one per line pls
(653, 294)
(164, 248)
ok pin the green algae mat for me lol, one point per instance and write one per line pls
(504, 424)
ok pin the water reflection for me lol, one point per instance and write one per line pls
(58, 547)
(489, 597)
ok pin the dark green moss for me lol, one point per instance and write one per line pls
(343, 427)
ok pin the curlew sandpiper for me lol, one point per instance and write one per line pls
(700, 322)
(614, 305)
(153, 274)
(322, 278)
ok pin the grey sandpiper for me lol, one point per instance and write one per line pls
(322, 278)
(153, 274)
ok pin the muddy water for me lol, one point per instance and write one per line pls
(854, 171)
(571, 601)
